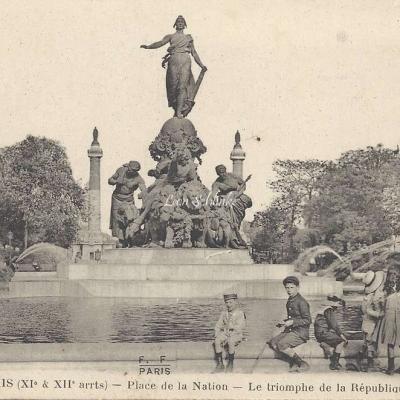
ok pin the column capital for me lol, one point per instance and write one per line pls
(95, 151)
(237, 152)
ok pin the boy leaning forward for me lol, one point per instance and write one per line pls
(296, 327)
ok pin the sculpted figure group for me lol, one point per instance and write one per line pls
(177, 210)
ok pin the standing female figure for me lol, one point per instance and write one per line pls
(373, 310)
(180, 82)
(389, 329)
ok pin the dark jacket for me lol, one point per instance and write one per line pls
(298, 310)
(325, 322)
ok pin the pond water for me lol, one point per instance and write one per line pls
(54, 319)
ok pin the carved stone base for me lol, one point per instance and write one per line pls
(176, 256)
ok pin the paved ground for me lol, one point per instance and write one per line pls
(184, 366)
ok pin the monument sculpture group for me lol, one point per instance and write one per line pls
(199, 225)
(178, 210)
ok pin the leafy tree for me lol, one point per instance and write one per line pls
(296, 183)
(39, 198)
(390, 196)
(349, 208)
(306, 238)
(270, 235)
(347, 203)
(391, 208)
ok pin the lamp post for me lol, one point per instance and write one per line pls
(10, 237)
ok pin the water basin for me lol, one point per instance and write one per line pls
(96, 320)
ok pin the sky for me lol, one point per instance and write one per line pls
(312, 79)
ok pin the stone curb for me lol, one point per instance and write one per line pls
(174, 351)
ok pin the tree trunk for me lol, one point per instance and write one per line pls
(309, 218)
(291, 235)
(25, 235)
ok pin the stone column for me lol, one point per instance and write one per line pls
(94, 153)
(237, 156)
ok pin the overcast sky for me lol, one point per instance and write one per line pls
(311, 78)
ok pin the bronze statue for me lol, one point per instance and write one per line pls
(180, 170)
(227, 193)
(218, 232)
(181, 87)
(177, 209)
(123, 209)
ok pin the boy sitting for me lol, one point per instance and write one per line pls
(296, 327)
(229, 331)
(327, 331)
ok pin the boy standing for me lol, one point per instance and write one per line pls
(296, 326)
(229, 331)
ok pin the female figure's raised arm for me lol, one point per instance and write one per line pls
(158, 44)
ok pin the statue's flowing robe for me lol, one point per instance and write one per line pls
(236, 203)
(180, 81)
(123, 208)
(238, 208)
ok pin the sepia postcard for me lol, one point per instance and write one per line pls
(200, 199)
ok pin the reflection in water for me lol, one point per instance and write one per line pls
(34, 320)
(53, 319)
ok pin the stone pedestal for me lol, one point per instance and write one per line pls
(87, 249)
(170, 273)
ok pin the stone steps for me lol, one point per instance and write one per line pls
(176, 256)
(35, 276)
(272, 289)
(350, 287)
(188, 272)
(176, 289)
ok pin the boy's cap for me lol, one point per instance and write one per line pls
(335, 301)
(230, 296)
(291, 279)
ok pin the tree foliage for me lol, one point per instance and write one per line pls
(347, 203)
(354, 198)
(39, 198)
(268, 235)
(295, 184)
